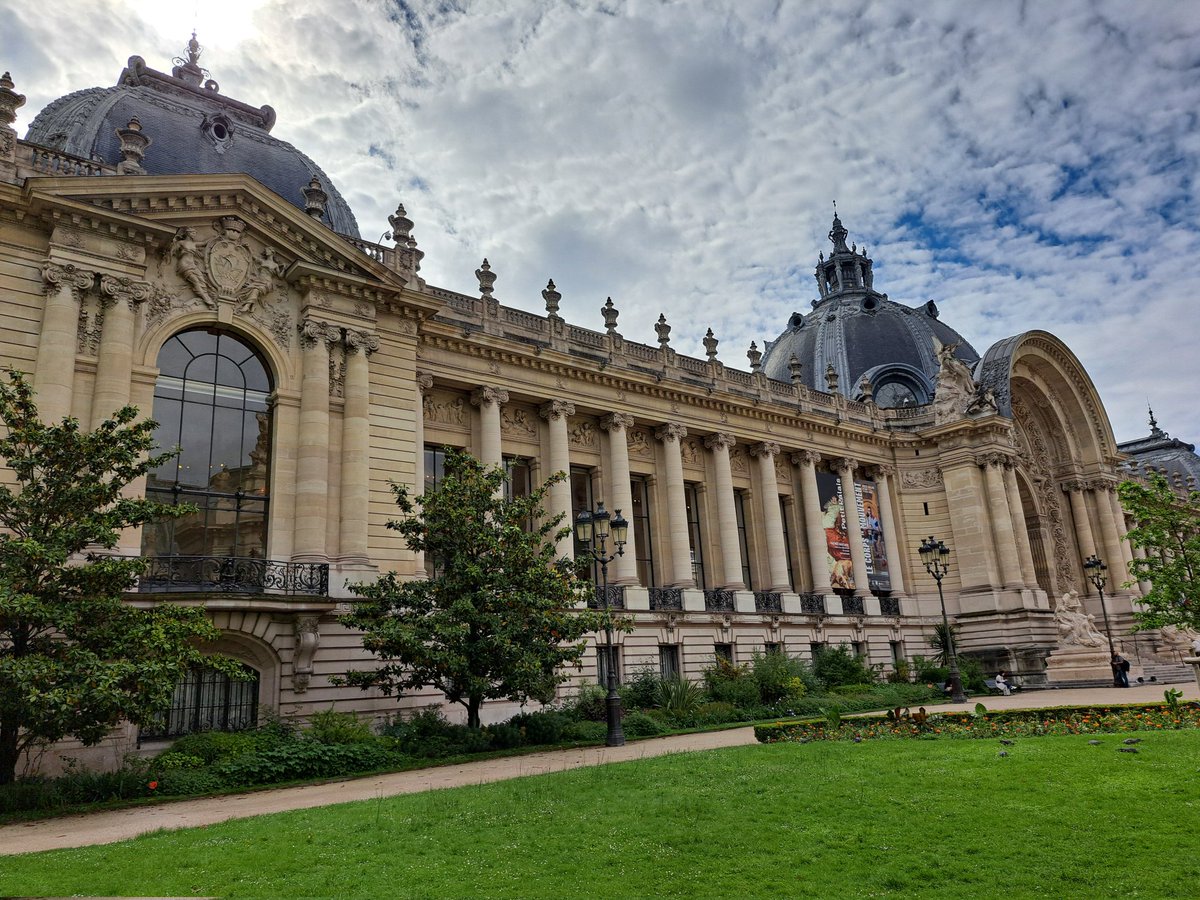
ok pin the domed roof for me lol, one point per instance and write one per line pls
(860, 332)
(193, 129)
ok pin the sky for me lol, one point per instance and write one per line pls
(1025, 165)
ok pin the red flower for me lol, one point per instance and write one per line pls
(152, 785)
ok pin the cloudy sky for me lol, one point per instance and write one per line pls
(1026, 165)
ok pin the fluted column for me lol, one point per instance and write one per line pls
(617, 425)
(777, 552)
(489, 400)
(681, 551)
(312, 463)
(1020, 530)
(1083, 528)
(1114, 501)
(54, 373)
(1001, 518)
(731, 551)
(893, 540)
(1114, 556)
(858, 557)
(814, 529)
(114, 366)
(356, 446)
(556, 413)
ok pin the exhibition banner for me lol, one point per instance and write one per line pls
(837, 541)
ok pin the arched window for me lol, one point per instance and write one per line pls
(209, 700)
(212, 400)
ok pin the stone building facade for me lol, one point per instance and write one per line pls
(159, 247)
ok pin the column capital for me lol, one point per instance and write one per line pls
(881, 470)
(116, 290)
(317, 331)
(424, 382)
(1102, 484)
(806, 458)
(722, 440)
(556, 409)
(366, 341)
(57, 275)
(487, 393)
(993, 460)
(843, 465)
(672, 431)
(1074, 485)
(765, 448)
(616, 421)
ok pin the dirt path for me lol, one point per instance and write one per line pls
(118, 825)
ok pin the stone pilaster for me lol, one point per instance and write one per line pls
(489, 399)
(681, 553)
(114, 365)
(777, 553)
(1084, 538)
(858, 557)
(312, 464)
(617, 425)
(556, 413)
(814, 529)
(731, 553)
(356, 447)
(54, 372)
(1020, 530)
(893, 537)
(1001, 519)
(1114, 554)
(424, 386)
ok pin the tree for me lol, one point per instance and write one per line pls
(497, 618)
(74, 659)
(1166, 525)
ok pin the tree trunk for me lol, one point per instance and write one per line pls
(10, 753)
(473, 704)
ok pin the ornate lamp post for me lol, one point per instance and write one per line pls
(1097, 574)
(936, 557)
(593, 526)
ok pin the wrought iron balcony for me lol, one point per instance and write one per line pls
(853, 606)
(615, 596)
(719, 601)
(889, 606)
(812, 604)
(233, 574)
(666, 598)
(768, 601)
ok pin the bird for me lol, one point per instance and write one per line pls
(1127, 750)
(1132, 741)
(857, 739)
(1003, 753)
(1007, 743)
(1094, 743)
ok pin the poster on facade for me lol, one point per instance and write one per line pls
(837, 541)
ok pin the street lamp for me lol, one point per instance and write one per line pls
(592, 531)
(1097, 574)
(936, 557)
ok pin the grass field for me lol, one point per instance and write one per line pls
(944, 818)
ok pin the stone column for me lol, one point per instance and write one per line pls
(312, 463)
(1083, 528)
(681, 550)
(1114, 556)
(814, 529)
(556, 413)
(114, 365)
(731, 552)
(356, 446)
(1122, 529)
(845, 470)
(424, 386)
(489, 400)
(1001, 517)
(777, 551)
(893, 539)
(1017, 511)
(54, 369)
(617, 425)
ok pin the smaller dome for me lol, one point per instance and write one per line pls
(862, 334)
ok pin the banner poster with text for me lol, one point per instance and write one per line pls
(837, 542)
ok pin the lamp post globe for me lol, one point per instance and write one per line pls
(593, 528)
(935, 556)
(1097, 574)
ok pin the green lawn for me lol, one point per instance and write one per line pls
(944, 818)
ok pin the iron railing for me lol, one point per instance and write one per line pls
(666, 598)
(889, 606)
(812, 604)
(234, 574)
(768, 602)
(719, 601)
(614, 593)
(853, 606)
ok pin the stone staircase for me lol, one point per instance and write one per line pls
(1165, 673)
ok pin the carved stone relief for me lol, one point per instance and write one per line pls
(517, 422)
(639, 443)
(1036, 455)
(739, 463)
(582, 434)
(689, 452)
(445, 409)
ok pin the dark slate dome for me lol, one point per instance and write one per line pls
(193, 129)
(1159, 452)
(861, 333)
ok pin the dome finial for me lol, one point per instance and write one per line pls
(188, 67)
(837, 234)
(193, 50)
(1154, 429)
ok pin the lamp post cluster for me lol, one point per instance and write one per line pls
(935, 556)
(1097, 574)
(593, 529)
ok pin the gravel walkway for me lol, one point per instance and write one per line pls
(118, 825)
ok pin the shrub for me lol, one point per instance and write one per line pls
(585, 732)
(543, 727)
(504, 737)
(927, 671)
(331, 727)
(589, 704)
(837, 665)
(678, 698)
(173, 759)
(641, 690)
(901, 674)
(213, 746)
(428, 735)
(184, 782)
(715, 714)
(639, 724)
(305, 759)
(726, 682)
(778, 676)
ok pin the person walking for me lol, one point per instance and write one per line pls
(1120, 667)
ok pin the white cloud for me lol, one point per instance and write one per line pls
(1026, 166)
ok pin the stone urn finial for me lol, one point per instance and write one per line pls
(795, 369)
(755, 356)
(10, 100)
(315, 198)
(831, 378)
(133, 148)
(401, 225)
(663, 330)
(552, 298)
(710, 346)
(610, 314)
(487, 279)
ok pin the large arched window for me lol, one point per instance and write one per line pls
(212, 401)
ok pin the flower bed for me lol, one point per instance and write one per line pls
(1007, 723)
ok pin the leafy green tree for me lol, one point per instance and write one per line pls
(1167, 526)
(74, 659)
(497, 618)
